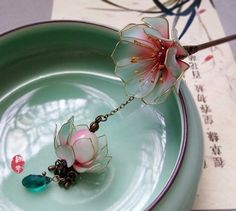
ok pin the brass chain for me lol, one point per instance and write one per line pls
(102, 118)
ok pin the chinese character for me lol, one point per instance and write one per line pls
(193, 66)
(201, 98)
(196, 74)
(216, 149)
(205, 108)
(208, 119)
(218, 162)
(192, 58)
(199, 88)
(213, 136)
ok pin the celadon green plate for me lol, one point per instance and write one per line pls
(51, 71)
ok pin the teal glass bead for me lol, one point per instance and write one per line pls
(36, 183)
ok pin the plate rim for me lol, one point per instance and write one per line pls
(179, 97)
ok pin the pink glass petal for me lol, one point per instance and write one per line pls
(99, 163)
(83, 132)
(168, 43)
(83, 165)
(181, 51)
(78, 129)
(160, 24)
(143, 84)
(176, 67)
(183, 65)
(133, 70)
(84, 150)
(66, 153)
(127, 52)
(65, 131)
(159, 41)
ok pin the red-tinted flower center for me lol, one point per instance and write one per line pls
(160, 56)
(158, 53)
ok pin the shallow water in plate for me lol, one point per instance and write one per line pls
(136, 139)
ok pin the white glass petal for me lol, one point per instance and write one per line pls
(143, 85)
(134, 32)
(183, 65)
(65, 131)
(160, 24)
(102, 142)
(174, 34)
(100, 166)
(177, 85)
(65, 152)
(56, 140)
(103, 149)
(161, 89)
(176, 67)
(154, 33)
(80, 169)
(157, 99)
(133, 70)
(79, 127)
(163, 97)
(102, 154)
(171, 62)
(127, 52)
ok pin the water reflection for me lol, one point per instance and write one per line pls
(26, 126)
(136, 135)
(150, 141)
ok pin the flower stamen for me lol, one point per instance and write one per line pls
(141, 79)
(158, 61)
(142, 45)
(134, 59)
(161, 67)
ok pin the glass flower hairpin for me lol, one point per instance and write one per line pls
(151, 66)
(150, 63)
(79, 150)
